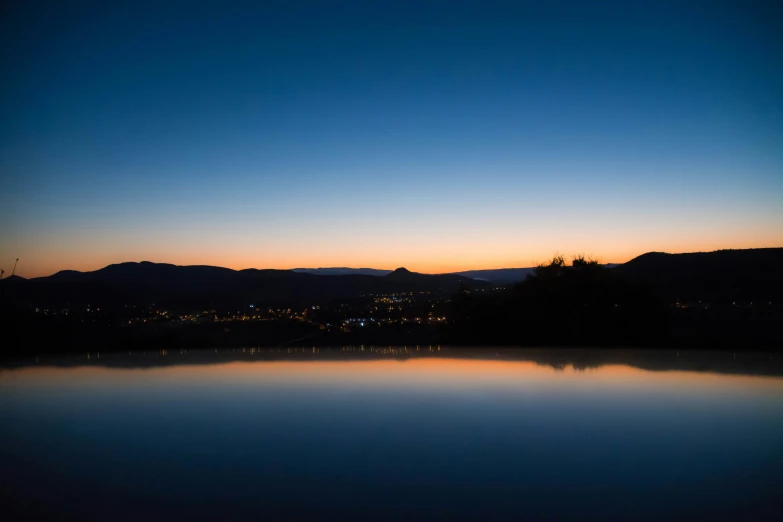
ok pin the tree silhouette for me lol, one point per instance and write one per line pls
(581, 304)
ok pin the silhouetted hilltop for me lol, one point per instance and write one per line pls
(731, 275)
(402, 272)
(145, 272)
(421, 282)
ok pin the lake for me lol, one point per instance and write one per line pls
(366, 433)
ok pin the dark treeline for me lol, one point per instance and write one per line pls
(580, 304)
(586, 304)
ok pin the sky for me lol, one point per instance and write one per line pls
(439, 136)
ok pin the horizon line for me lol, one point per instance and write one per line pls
(384, 269)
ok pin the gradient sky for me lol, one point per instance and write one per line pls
(433, 135)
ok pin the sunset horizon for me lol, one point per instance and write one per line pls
(438, 138)
(23, 269)
(406, 260)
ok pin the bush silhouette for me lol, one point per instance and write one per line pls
(582, 303)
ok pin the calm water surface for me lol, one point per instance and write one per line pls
(451, 435)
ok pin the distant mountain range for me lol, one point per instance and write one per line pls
(498, 276)
(195, 286)
(740, 274)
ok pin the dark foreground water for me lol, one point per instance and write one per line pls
(449, 435)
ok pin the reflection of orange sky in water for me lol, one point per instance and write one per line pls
(425, 373)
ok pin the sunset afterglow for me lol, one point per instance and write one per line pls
(364, 141)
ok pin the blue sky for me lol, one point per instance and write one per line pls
(435, 135)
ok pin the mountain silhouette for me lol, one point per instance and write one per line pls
(747, 275)
(147, 282)
(716, 299)
(402, 272)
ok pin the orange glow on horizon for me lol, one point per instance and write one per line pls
(37, 261)
(421, 372)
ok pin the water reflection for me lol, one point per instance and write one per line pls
(393, 433)
(747, 363)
